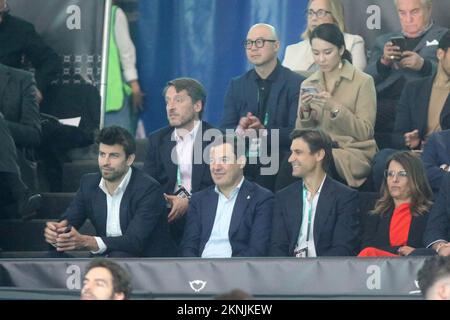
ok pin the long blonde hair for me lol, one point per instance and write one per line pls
(337, 12)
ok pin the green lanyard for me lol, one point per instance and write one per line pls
(305, 200)
(178, 177)
(266, 119)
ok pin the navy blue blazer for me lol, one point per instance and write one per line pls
(376, 232)
(242, 97)
(436, 153)
(143, 219)
(158, 162)
(438, 225)
(335, 223)
(412, 110)
(250, 222)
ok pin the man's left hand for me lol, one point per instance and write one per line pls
(412, 60)
(179, 207)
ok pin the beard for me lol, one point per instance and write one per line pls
(113, 175)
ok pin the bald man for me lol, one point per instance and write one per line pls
(263, 99)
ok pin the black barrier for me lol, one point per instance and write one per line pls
(263, 278)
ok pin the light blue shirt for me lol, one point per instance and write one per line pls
(218, 245)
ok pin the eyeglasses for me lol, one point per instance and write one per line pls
(319, 13)
(389, 174)
(259, 43)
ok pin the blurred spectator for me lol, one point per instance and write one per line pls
(437, 232)
(413, 56)
(232, 218)
(263, 99)
(299, 56)
(434, 278)
(315, 216)
(125, 206)
(340, 100)
(20, 128)
(105, 280)
(122, 76)
(424, 108)
(185, 103)
(396, 226)
(19, 40)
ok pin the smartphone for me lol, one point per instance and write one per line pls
(183, 193)
(309, 89)
(399, 42)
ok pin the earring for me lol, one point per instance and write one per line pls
(340, 65)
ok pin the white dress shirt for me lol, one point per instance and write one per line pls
(218, 245)
(113, 210)
(309, 206)
(185, 149)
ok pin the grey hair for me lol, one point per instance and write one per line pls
(426, 3)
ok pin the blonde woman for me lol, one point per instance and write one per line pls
(298, 57)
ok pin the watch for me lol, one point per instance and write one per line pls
(335, 112)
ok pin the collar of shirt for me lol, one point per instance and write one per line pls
(122, 186)
(192, 133)
(318, 191)
(233, 193)
(272, 77)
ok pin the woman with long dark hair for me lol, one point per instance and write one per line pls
(397, 224)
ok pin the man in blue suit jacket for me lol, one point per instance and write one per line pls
(437, 232)
(318, 215)
(232, 218)
(265, 97)
(125, 206)
(436, 158)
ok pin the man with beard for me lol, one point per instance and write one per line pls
(125, 206)
(174, 157)
(105, 280)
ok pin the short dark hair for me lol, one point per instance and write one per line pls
(117, 135)
(194, 89)
(121, 279)
(238, 143)
(434, 269)
(444, 43)
(331, 33)
(317, 140)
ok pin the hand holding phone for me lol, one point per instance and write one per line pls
(399, 42)
(309, 90)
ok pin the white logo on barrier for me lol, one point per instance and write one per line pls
(73, 21)
(417, 286)
(374, 281)
(197, 285)
(374, 20)
(73, 281)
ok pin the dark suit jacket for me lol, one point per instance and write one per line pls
(335, 223)
(425, 49)
(282, 104)
(436, 153)
(143, 220)
(18, 38)
(438, 225)
(158, 164)
(249, 227)
(412, 110)
(376, 232)
(19, 106)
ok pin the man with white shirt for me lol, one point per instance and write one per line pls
(125, 206)
(316, 216)
(175, 153)
(232, 218)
